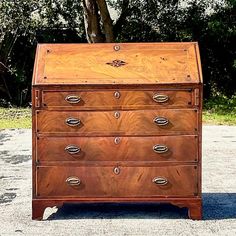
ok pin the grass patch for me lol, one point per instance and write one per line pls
(220, 111)
(217, 111)
(218, 119)
(15, 118)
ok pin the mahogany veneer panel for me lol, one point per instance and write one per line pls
(117, 99)
(179, 149)
(146, 63)
(129, 122)
(103, 182)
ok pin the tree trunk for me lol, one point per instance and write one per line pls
(91, 22)
(98, 23)
(106, 20)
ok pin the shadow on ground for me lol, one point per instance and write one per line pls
(216, 206)
(4, 137)
(7, 157)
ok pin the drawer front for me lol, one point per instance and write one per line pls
(147, 122)
(162, 148)
(107, 181)
(116, 99)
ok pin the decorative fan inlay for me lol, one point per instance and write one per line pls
(116, 63)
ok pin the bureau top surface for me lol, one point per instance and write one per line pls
(117, 63)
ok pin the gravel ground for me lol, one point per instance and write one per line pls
(219, 197)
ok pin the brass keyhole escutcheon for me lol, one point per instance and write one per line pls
(117, 94)
(117, 114)
(117, 140)
(116, 47)
(116, 170)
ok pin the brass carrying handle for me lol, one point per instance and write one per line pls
(161, 121)
(73, 121)
(160, 181)
(73, 99)
(72, 149)
(160, 148)
(73, 181)
(160, 98)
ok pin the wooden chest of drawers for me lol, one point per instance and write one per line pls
(117, 123)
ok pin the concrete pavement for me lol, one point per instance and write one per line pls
(219, 197)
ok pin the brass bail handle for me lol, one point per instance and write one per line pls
(72, 149)
(160, 98)
(160, 181)
(73, 121)
(73, 181)
(160, 148)
(73, 99)
(161, 121)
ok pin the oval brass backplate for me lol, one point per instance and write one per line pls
(161, 121)
(73, 99)
(160, 181)
(73, 181)
(160, 98)
(160, 148)
(72, 121)
(72, 149)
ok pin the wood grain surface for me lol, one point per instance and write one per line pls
(112, 87)
(117, 99)
(180, 148)
(129, 123)
(143, 63)
(103, 182)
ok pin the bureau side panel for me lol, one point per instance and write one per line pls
(200, 140)
(34, 136)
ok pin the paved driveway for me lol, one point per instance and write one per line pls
(219, 196)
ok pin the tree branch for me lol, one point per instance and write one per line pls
(106, 20)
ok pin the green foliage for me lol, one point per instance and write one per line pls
(23, 24)
(221, 104)
(220, 110)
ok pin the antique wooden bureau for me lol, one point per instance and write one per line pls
(117, 123)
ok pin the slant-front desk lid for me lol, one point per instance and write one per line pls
(117, 63)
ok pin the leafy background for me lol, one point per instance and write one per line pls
(212, 23)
